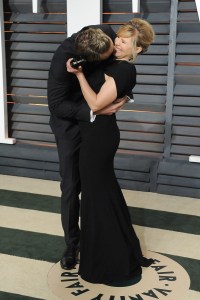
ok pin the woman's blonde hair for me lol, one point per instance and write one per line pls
(143, 31)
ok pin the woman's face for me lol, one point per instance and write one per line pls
(123, 47)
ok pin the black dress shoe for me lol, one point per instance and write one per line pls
(69, 258)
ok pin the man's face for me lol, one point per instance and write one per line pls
(108, 53)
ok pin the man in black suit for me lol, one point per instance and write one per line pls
(67, 107)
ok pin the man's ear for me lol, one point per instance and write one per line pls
(138, 50)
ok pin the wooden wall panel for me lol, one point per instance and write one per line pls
(186, 111)
(25, 6)
(179, 178)
(141, 162)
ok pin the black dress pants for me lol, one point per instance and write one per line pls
(68, 152)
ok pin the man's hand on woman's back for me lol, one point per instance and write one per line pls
(112, 108)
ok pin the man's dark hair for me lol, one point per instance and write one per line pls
(90, 43)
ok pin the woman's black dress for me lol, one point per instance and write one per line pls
(109, 248)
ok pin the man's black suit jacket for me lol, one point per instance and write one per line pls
(65, 100)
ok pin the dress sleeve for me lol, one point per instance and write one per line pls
(124, 75)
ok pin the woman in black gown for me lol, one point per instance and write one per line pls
(109, 248)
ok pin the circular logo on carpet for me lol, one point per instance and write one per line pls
(165, 279)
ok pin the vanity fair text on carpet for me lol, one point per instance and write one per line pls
(165, 276)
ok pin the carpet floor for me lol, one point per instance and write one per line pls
(31, 237)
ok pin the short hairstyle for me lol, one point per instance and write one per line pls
(143, 31)
(90, 43)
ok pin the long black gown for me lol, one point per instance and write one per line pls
(109, 248)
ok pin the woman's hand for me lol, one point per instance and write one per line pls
(70, 69)
(120, 100)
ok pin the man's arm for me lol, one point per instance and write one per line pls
(62, 100)
(61, 84)
(62, 103)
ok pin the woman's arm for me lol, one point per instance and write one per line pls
(106, 95)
